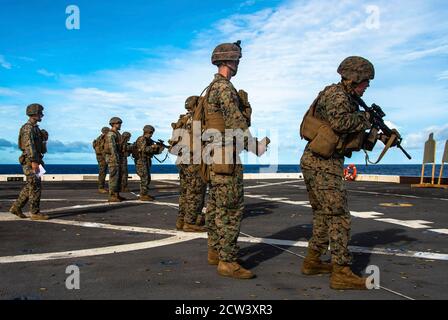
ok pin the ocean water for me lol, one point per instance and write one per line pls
(386, 169)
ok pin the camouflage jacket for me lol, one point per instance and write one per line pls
(112, 147)
(337, 106)
(223, 98)
(146, 148)
(31, 142)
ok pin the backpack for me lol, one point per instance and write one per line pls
(98, 144)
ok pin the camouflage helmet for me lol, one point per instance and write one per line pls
(105, 130)
(191, 102)
(356, 69)
(126, 135)
(226, 52)
(34, 109)
(115, 120)
(148, 129)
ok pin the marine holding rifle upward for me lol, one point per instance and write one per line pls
(143, 150)
(335, 127)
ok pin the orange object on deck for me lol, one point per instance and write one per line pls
(350, 172)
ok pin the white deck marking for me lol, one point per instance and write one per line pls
(182, 236)
(442, 231)
(60, 200)
(366, 214)
(248, 187)
(414, 224)
(270, 184)
(95, 251)
(282, 200)
(382, 193)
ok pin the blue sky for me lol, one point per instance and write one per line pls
(141, 59)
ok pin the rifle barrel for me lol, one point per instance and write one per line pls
(404, 151)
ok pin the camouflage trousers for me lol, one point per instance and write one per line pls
(124, 173)
(224, 213)
(144, 172)
(31, 191)
(102, 171)
(192, 193)
(331, 220)
(114, 175)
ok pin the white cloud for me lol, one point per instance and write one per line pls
(443, 75)
(5, 64)
(46, 73)
(8, 92)
(417, 140)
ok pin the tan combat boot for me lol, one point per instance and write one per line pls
(39, 216)
(18, 212)
(179, 223)
(193, 228)
(212, 257)
(234, 270)
(342, 278)
(102, 190)
(121, 198)
(114, 197)
(146, 197)
(312, 264)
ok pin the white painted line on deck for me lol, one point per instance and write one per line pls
(95, 251)
(61, 200)
(270, 184)
(250, 239)
(381, 193)
(366, 214)
(414, 224)
(442, 231)
(279, 199)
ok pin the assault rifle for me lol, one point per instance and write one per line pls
(161, 143)
(376, 118)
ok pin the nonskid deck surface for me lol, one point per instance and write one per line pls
(131, 250)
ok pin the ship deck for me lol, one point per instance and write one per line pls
(131, 250)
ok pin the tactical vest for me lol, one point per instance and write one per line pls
(106, 146)
(185, 140)
(37, 139)
(321, 137)
(216, 121)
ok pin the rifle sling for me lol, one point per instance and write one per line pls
(389, 143)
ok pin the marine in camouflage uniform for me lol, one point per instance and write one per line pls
(224, 110)
(113, 148)
(32, 142)
(192, 186)
(145, 148)
(126, 150)
(98, 146)
(337, 106)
